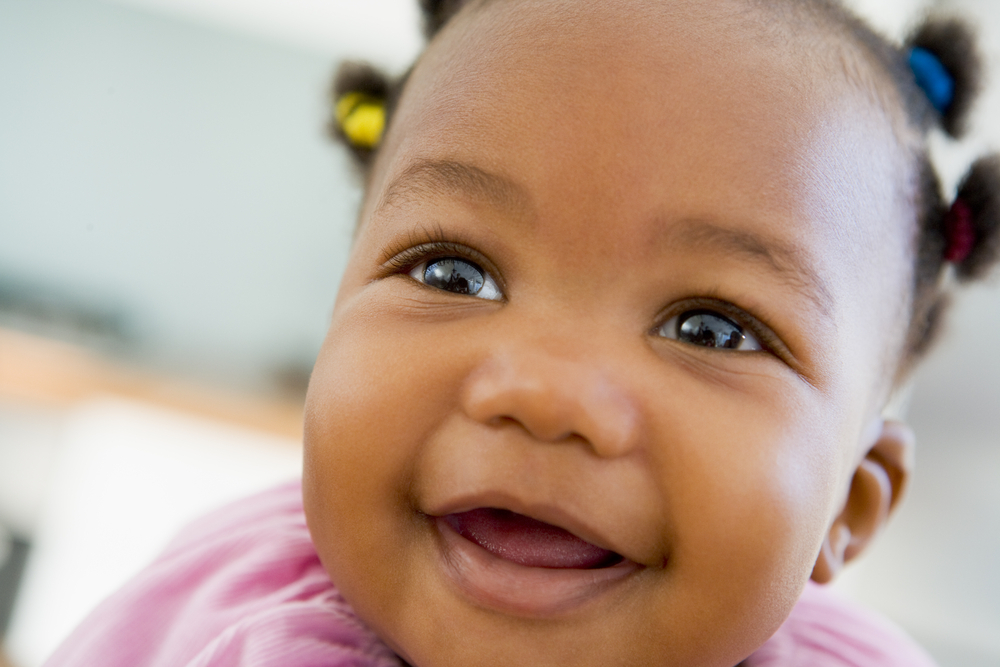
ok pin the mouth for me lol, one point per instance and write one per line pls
(517, 564)
(529, 542)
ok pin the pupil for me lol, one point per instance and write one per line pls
(709, 330)
(454, 275)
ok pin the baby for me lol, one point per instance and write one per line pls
(606, 382)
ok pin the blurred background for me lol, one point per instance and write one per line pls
(173, 224)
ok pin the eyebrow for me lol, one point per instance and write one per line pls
(448, 178)
(788, 261)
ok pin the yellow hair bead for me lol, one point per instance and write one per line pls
(361, 118)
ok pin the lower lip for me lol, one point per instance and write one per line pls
(524, 591)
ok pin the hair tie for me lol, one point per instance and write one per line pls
(960, 232)
(361, 117)
(932, 77)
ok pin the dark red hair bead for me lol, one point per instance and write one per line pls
(960, 232)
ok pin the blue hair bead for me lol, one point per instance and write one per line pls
(933, 78)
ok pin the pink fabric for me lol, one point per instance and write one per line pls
(243, 587)
(826, 630)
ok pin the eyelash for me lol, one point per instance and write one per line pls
(408, 258)
(433, 246)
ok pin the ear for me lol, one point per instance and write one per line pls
(876, 489)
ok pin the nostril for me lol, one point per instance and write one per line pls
(503, 420)
(538, 431)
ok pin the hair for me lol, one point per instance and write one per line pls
(951, 41)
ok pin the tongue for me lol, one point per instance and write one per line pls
(528, 542)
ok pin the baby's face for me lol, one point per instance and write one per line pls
(635, 274)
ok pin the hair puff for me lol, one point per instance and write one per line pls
(980, 190)
(953, 42)
(437, 13)
(358, 77)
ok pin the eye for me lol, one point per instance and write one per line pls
(456, 275)
(707, 328)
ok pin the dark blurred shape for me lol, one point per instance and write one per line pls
(292, 378)
(13, 556)
(55, 313)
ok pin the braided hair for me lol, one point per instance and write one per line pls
(936, 73)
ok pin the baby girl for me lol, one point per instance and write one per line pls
(606, 382)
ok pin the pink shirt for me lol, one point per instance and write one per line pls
(243, 587)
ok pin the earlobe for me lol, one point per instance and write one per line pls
(876, 488)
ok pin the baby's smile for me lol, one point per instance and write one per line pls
(514, 532)
(523, 566)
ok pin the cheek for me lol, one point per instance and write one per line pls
(753, 487)
(375, 397)
(375, 392)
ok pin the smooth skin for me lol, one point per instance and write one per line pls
(611, 166)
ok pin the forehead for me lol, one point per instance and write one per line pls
(640, 83)
(634, 110)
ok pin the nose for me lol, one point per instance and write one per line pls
(554, 398)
